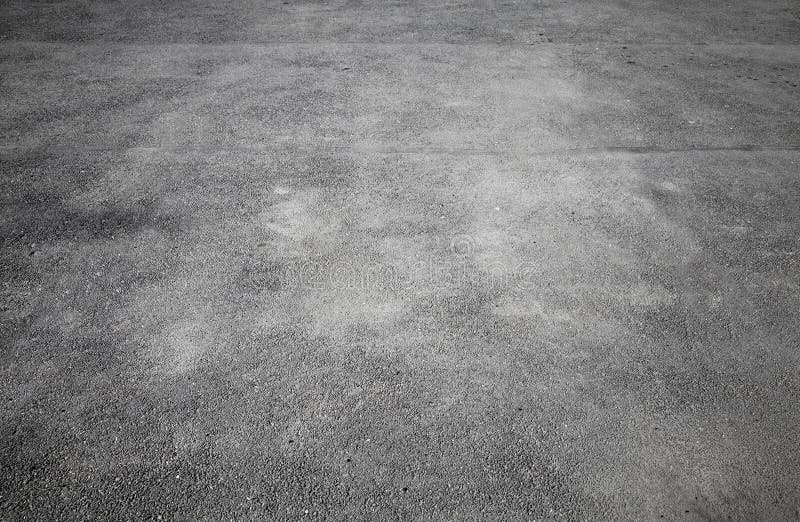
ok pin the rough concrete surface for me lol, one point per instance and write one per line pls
(468, 260)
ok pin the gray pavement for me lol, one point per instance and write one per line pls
(396, 260)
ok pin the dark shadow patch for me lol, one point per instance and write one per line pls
(41, 228)
(92, 101)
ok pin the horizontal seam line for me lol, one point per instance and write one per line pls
(107, 43)
(288, 147)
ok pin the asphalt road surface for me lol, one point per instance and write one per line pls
(468, 260)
